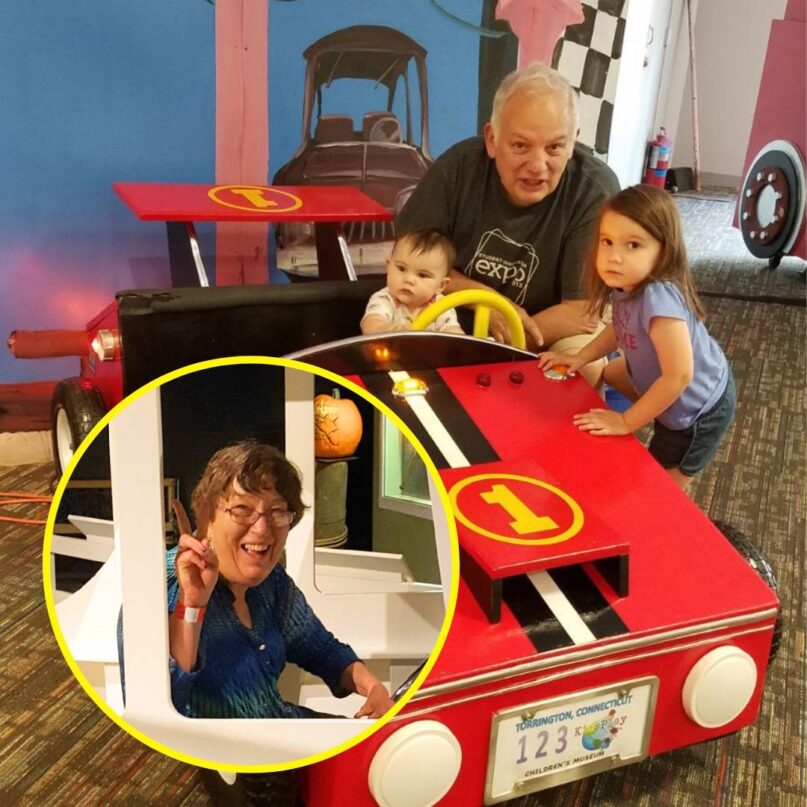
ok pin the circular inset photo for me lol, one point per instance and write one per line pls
(250, 565)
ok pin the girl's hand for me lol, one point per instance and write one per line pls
(601, 422)
(197, 569)
(378, 702)
(550, 359)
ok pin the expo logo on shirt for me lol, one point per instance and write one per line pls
(503, 264)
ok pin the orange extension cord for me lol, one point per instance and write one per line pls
(22, 497)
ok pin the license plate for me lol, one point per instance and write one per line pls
(545, 744)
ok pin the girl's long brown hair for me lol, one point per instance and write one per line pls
(654, 210)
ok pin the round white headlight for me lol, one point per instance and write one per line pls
(415, 766)
(719, 686)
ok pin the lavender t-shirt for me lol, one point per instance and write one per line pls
(631, 320)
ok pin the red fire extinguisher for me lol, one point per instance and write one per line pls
(658, 159)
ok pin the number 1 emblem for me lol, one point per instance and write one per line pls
(255, 198)
(516, 509)
(525, 521)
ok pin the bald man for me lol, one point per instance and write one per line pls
(521, 205)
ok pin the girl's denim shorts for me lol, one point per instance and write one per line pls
(691, 449)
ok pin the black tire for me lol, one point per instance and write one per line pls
(759, 563)
(76, 406)
(276, 789)
(407, 684)
(774, 261)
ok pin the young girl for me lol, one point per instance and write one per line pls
(670, 367)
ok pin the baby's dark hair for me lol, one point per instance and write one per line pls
(654, 210)
(426, 240)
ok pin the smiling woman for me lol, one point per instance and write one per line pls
(226, 577)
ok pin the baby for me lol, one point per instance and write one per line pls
(417, 272)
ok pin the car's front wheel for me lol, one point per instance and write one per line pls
(76, 406)
(247, 789)
(760, 564)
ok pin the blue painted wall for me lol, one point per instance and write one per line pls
(91, 92)
(98, 91)
(452, 61)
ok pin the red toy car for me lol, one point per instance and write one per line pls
(601, 617)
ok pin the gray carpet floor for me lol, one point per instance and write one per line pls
(57, 748)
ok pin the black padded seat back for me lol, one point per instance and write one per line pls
(164, 329)
(334, 129)
(371, 118)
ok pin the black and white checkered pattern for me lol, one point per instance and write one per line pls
(588, 56)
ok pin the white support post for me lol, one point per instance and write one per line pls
(442, 538)
(299, 417)
(135, 452)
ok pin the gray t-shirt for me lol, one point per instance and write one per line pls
(532, 255)
(631, 320)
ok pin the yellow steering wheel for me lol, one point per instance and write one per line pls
(483, 300)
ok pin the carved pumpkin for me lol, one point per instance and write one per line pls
(337, 426)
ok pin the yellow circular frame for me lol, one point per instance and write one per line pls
(48, 583)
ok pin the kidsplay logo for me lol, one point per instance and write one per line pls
(600, 734)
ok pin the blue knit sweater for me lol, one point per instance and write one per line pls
(237, 668)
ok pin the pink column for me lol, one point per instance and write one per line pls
(242, 132)
(538, 24)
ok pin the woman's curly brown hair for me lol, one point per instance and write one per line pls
(257, 467)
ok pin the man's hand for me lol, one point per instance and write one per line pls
(497, 326)
(602, 422)
(567, 318)
(500, 330)
(582, 322)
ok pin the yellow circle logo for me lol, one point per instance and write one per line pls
(516, 509)
(255, 198)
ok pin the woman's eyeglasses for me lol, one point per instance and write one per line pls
(246, 516)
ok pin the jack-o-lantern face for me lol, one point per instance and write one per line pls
(337, 426)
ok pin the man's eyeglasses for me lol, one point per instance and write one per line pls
(246, 516)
